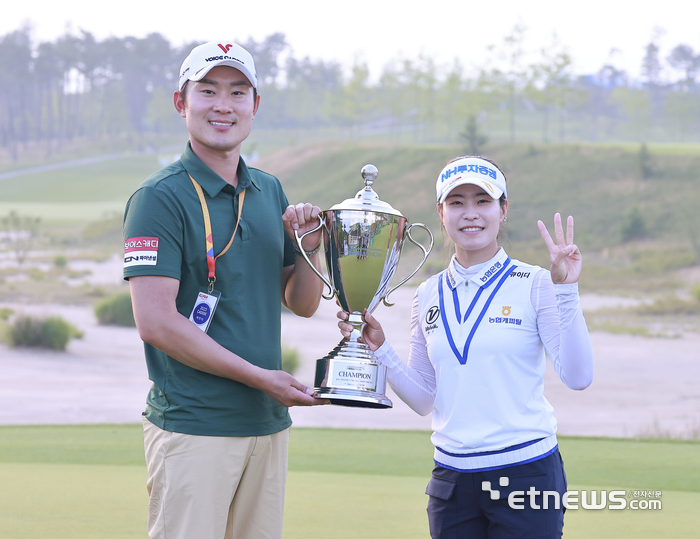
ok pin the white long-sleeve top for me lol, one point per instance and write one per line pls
(481, 372)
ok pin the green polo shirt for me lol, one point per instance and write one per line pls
(164, 235)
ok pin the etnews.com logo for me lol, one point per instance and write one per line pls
(575, 499)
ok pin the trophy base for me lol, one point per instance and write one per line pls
(350, 375)
(349, 397)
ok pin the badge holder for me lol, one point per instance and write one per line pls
(205, 307)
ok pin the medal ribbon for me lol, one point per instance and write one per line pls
(211, 259)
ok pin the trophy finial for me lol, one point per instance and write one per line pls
(369, 174)
(366, 198)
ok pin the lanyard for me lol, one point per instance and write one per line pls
(211, 259)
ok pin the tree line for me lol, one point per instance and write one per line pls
(77, 86)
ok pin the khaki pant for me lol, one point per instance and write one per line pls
(215, 487)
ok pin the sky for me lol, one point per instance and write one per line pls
(594, 32)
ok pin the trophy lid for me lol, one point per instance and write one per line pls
(366, 199)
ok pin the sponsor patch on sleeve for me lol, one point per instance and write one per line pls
(141, 251)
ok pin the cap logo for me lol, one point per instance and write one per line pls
(486, 171)
(474, 170)
(225, 48)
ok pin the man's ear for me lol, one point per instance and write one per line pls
(256, 105)
(179, 104)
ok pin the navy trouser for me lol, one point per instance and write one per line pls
(460, 508)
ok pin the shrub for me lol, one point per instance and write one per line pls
(93, 291)
(53, 332)
(671, 305)
(473, 136)
(36, 274)
(290, 359)
(60, 261)
(22, 230)
(116, 310)
(645, 162)
(5, 313)
(26, 331)
(633, 226)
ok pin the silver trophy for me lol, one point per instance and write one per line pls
(363, 239)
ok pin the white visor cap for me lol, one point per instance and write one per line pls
(471, 170)
(212, 54)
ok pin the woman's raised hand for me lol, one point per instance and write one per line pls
(564, 256)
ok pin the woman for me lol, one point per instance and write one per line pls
(479, 333)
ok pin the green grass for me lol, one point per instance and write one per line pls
(96, 182)
(89, 481)
(72, 501)
(77, 194)
(678, 519)
(632, 464)
(352, 506)
(75, 212)
(113, 445)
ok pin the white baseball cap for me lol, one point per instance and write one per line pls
(473, 170)
(215, 53)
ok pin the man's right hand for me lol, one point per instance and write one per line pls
(287, 390)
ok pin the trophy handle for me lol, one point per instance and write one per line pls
(303, 253)
(426, 253)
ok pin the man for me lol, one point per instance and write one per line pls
(208, 254)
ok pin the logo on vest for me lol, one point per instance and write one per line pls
(521, 274)
(431, 317)
(507, 317)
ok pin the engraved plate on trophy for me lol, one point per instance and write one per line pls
(352, 374)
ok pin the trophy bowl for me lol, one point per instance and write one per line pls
(363, 239)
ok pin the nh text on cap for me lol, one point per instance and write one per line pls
(472, 170)
(215, 53)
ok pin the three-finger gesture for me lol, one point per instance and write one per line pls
(564, 256)
(302, 218)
